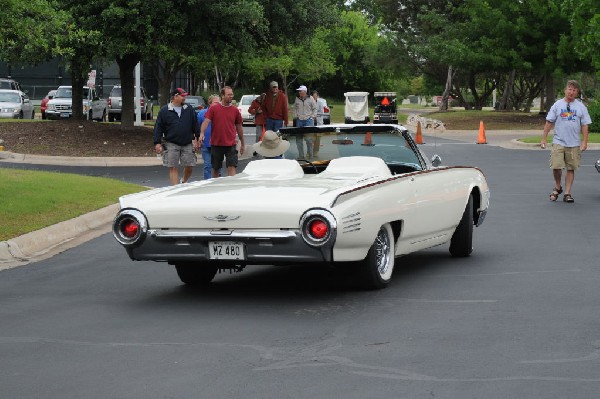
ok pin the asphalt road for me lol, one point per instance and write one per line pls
(518, 319)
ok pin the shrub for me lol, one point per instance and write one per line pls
(594, 110)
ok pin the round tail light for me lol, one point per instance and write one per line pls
(318, 227)
(130, 227)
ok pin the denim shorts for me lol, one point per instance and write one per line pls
(175, 155)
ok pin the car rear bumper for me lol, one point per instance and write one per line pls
(260, 247)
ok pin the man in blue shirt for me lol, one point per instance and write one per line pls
(213, 99)
(569, 116)
(175, 133)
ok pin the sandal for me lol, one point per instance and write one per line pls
(554, 194)
(568, 198)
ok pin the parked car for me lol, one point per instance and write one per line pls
(9, 84)
(326, 111)
(115, 104)
(597, 165)
(61, 106)
(15, 104)
(356, 109)
(366, 197)
(44, 103)
(197, 102)
(243, 106)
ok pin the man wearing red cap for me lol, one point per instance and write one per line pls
(175, 131)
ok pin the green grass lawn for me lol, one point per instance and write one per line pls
(592, 138)
(32, 200)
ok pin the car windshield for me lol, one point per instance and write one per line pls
(116, 92)
(385, 142)
(67, 92)
(247, 100)
(5, 84)
(10, 98)
(64, 92)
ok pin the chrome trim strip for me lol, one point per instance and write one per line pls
(231, 234)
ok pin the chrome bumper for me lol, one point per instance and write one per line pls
(261, 246)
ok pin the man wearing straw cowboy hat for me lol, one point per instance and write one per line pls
(271, 146)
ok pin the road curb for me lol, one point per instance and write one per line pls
(51, 240)
(79, 161)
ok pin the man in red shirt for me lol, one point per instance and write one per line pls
(276, 108)
(226, 121)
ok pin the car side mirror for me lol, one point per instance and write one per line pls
(436, 160)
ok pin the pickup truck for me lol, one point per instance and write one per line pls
(60, 107)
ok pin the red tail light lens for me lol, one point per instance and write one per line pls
(130, 228)
(109, 102)
(325, 109)
(318, 229)
(141, 102)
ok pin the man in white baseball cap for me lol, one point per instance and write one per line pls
(305, 114)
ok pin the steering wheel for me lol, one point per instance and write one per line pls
(310, 163)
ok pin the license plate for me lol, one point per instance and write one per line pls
(64, 115)
(226, 250)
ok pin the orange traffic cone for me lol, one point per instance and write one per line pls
(481, 139)
(368, 139)
(419, 135)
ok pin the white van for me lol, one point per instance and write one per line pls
(356, 109)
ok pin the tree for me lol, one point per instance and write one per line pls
(80, 45)
(290, 63)
(361, 52)
(31, 37)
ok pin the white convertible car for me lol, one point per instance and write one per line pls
(365, 197)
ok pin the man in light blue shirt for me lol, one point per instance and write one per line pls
(205, 148)
(570, 117)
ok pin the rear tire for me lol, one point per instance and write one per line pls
(375, 271)
(111, 118)
(461, 244)
(195, 273)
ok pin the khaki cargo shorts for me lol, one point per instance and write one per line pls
(565, 157)
(178, 155)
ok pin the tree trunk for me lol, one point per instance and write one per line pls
(550, 93)
(165, 72)
(446, 94)
(507, 91)
(127, 65)
(77, 83)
